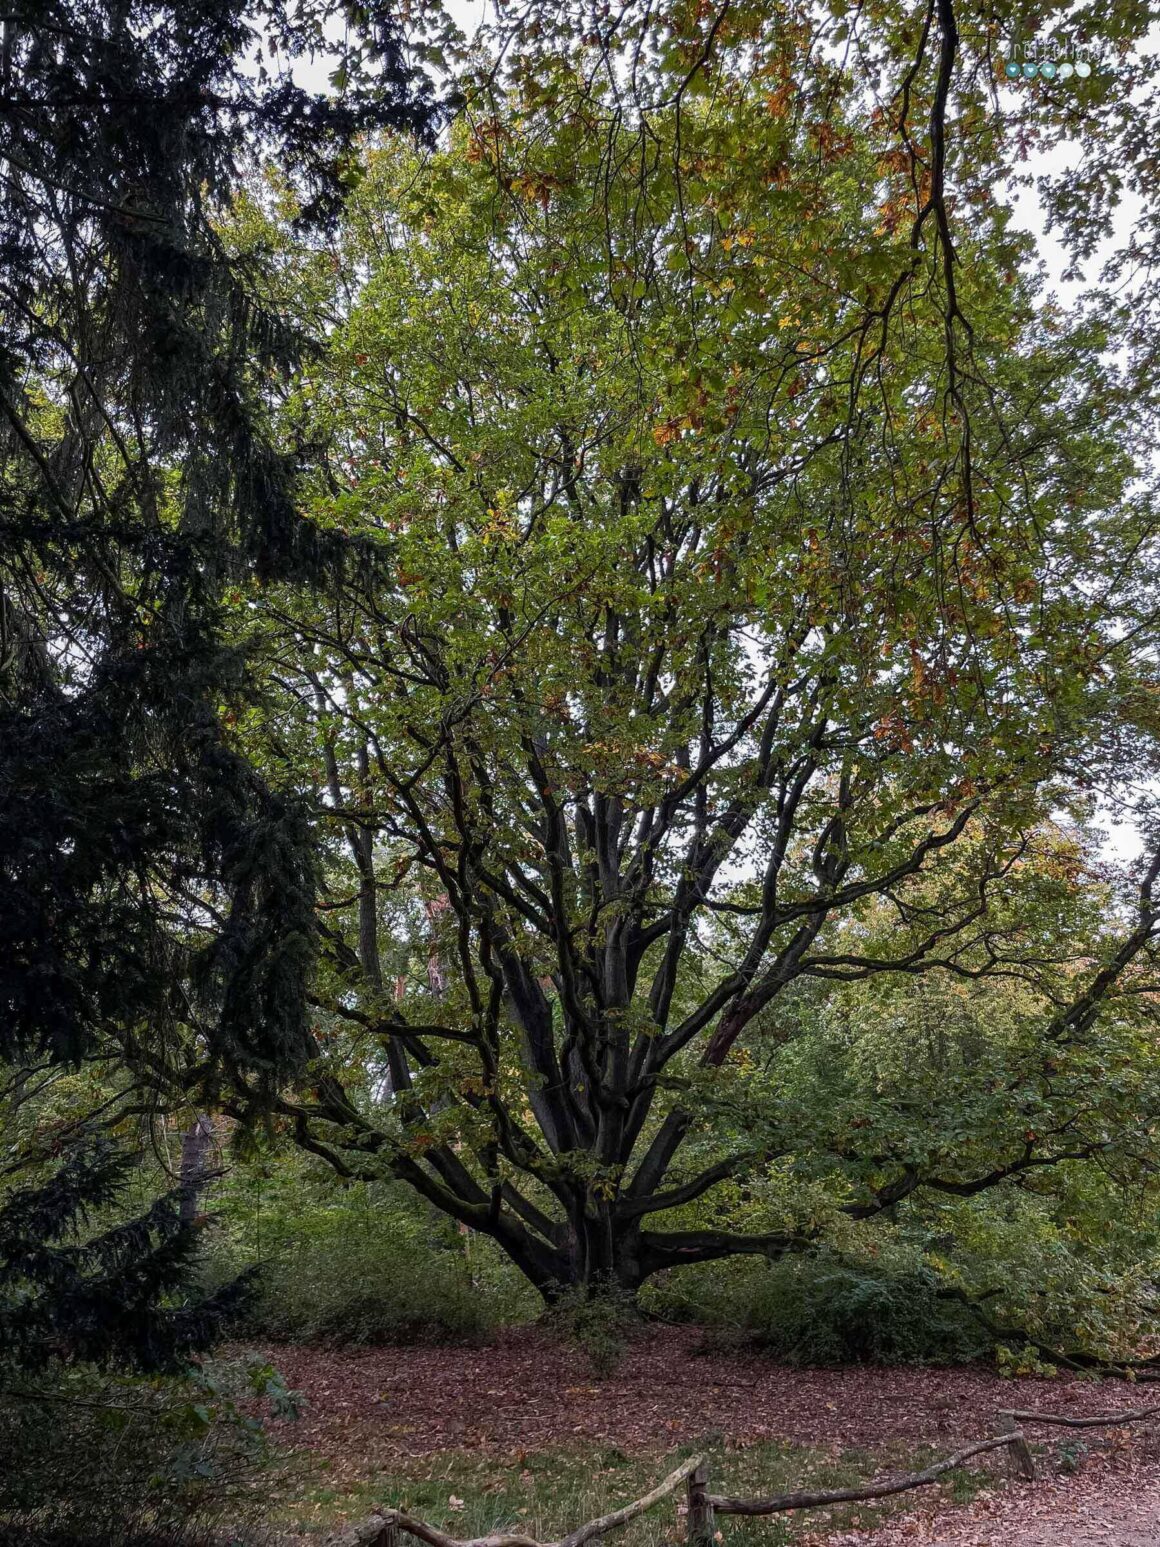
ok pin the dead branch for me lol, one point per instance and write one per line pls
(381, 1530)
(627, 1512)
(1106, 1420)
(727, 1506)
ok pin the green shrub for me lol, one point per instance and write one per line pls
(823, 1312)
(598, 1319)
(334, 1286)
(820, 1311)
(358, 1264)
(112, 1461)
(1017, 1363)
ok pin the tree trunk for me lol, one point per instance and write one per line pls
(196, 1148)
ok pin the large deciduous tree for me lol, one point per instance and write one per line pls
(751, 554)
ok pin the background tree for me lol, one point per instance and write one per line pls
(750, 556)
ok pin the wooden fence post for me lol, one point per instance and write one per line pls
(702, 1526)
(1020, 1459)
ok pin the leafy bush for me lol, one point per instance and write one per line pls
(823, 1312)
(358, 1264)
(819, 1310)
(1031, 1254)
(598, 1319)
(119, 1461)
(1016, 1363)
(336, 1285)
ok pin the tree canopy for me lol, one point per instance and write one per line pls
(756, 570)
(576, 661)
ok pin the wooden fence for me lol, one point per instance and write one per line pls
(703, 1506)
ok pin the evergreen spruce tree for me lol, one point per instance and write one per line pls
(115, 1296)
(156, 890)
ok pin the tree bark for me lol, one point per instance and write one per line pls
(196, 1150)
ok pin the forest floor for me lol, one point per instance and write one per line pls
(521, 1432)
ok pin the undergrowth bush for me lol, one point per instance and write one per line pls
(820, 1311)
(599, 1320)
(337, 1284)
(113, 1461)
(823, 1312)
(358, 1264)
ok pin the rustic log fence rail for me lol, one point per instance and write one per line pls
(385, 1528)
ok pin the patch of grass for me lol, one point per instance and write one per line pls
(547, 1493)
